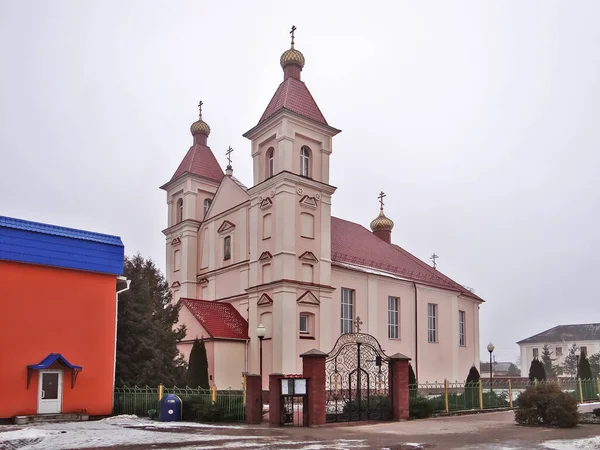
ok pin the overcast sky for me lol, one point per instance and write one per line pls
(480, 120)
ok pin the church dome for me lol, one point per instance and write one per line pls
(200, 127)
(292, 56)
(382, 223)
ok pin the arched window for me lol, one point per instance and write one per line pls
(207, 204)
(305, 161)
(270, 162)
(227, 247)
(179, 210)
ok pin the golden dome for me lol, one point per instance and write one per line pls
(382, 223)
(292, 56)
(200, 127)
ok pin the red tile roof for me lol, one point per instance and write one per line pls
(200, 160)
(220, 320)
(292, 94)
(353, 244)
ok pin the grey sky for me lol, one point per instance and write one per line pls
(480, 120)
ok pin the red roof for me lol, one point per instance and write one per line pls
(292, 94)
(220, 320)
(353, 244)
(200, 160)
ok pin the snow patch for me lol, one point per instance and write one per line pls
(575, 444)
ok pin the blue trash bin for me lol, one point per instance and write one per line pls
(170, 409)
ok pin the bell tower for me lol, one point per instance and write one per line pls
(189, 195)
(290, 219)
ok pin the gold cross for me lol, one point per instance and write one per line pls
(200, 107)
(292, 33)
(358, 323)
(380, 197)
(228, 153)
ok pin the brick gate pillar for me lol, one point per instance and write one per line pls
(254, 402)
(398, 380)
(274, 398)
(313, 368)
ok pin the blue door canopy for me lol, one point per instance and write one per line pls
(48, 361)
(50, 245)
(170, 409)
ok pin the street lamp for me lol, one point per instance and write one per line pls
(261, 331)
(490, 349)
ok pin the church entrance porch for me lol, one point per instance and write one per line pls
(357, 380)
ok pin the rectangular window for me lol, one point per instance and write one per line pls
(227, 247)
(393, 317)
(558, 351)
(535, 352)
(582, 350)
(303, 323)
(431, 322)
(177, 260)
(347, 315)
(461, 328)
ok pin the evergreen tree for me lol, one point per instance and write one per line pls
(146, 340)
(536, 370)
(595, 364)
(584, 371)
(412, 379)
(548, 361)
(570, 363)
(513, 371)
(473, 376)
(197, 374)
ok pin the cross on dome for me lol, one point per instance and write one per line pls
(228, 153)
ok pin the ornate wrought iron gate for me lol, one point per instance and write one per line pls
(357, 380)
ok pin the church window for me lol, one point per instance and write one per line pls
(461, 328)
(307, 224)
(347, 316)
(179, 210)
(304, 323)
(271, 161)
(266, 226)
(432, 323)
(176, 260)
(305, 161)
(207, 203)
(227, 247)
(393, 324)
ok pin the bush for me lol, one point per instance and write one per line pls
(546, 405)
(596, 412)
(198, 409)
(374, 403)
(419, 408)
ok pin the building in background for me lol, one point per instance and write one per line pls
(59, 312)
(586, 337)
(276, 255)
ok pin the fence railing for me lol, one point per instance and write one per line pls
(457, 396)
(206, 404)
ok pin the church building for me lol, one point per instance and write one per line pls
(272, 254)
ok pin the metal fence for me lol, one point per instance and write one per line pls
(198, 404)
(459, 396)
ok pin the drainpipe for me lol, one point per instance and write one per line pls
(416, 333)
(127, 283)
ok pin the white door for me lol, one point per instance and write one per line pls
(50, 392)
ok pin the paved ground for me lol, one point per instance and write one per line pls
(489, 431)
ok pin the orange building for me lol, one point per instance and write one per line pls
(58, 297)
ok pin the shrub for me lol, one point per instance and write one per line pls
(596, 412)
(537, 371)
(546, 405)
(473, 376)
(198, 409)
(419, 408)
(374, 403)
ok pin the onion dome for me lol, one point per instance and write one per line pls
(292, 56)
(382, 223)
(200, 126)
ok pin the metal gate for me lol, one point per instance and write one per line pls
(357, 380)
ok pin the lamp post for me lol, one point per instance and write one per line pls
(490, 349)
(261, 331)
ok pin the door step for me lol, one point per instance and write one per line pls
(46, 418)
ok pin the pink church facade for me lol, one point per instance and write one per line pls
(274, 254)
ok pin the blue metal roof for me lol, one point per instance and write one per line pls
(51, 359)
(50, 245)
